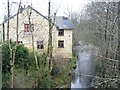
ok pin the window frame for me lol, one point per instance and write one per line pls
(60, 32)
(27, 28)
(61, 44)
(40, 45)
(19, 42)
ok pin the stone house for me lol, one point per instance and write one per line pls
(61, 32)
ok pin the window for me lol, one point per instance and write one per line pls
(19, 42)
(65, 18)
(40, 45)
(61, 32)
(60, 44)
(28, 27)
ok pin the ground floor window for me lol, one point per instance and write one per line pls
(60, 43)
(19, 42)
(40, 45)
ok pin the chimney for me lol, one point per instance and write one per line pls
(21, 9)
(65, 18)
(24, 6)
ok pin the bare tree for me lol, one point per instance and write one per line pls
(51, 24)
(32, 35)
(100, 28)
(13, 50)
(8, 22)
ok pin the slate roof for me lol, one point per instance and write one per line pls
(61, 22)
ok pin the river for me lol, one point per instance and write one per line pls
(86, 59)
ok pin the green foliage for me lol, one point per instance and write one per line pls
(73, 59)
(45, 80)
(6, 58)
(20, 59)
(25, 73)
(56, 70)
(73, 63)
(62, 79)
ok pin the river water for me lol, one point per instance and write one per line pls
(86, 58)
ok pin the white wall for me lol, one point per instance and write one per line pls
(40, 33)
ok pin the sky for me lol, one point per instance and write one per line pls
(61, 6)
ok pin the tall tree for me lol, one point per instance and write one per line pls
(51, 24)
(13, 50)
(99, 27)
(8, 20)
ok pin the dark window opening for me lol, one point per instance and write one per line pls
(65, 18)
(60, 44)
(28, 27)
(19, 42)
(61, 32)
(40, 45)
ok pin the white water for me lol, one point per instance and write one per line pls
(76, 84)
(85, 67)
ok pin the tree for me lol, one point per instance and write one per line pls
(8, 22)
(12, 49)
(51, 24)
(20, 61)
(100, 28)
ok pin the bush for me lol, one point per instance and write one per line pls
(21, 57)
(20, 60)
(25, 73)
(55, 70)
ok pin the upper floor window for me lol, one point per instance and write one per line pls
(61, 32)
(40, 45)
(28, 27)
(61, 44)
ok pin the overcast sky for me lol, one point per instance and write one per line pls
(63, 6)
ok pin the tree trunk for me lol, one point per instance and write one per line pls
(11, 69)
(50, 38)
(3, 32)
(107, 36)
(1, 58)
(13, 52)
(8, 22)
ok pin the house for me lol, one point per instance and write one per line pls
(61, 32)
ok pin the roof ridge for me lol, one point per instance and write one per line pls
(22, 11)
(60, 21)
